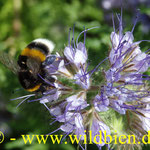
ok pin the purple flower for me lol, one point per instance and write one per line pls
(125, 81)
(76, 63)
(82, 78)
(77, 101)
(76, 56)
(98, 128)
(73, 121)
(126, 54)
(101, 102)
(79, 126)
(145, 111)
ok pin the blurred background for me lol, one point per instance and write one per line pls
(22, 21)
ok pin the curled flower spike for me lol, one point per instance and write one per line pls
(124, 79)
(126, 90)
(75, 111)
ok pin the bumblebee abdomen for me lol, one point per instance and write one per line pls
(29, 81)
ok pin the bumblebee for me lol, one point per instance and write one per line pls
(30, 67)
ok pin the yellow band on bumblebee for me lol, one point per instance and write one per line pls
(35, 88)
(34, 53)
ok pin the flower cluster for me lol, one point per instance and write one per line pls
(125, 94)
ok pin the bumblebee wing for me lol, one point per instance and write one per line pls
(9, 62)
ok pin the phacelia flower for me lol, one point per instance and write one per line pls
(75, 112)
(126, 90)
(120, 105)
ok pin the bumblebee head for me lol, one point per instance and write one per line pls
(49, 60)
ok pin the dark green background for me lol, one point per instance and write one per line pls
(21, 21)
